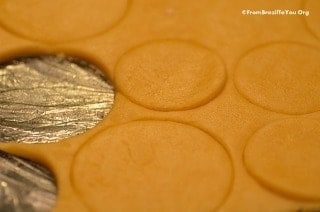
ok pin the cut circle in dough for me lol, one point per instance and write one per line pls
(152, 166)
(313, 20)
(170, 75)
(281, 77)
(284, 156)
(59, 20)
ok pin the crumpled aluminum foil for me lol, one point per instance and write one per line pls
(25, 186)
(48, 98)
(42, 100)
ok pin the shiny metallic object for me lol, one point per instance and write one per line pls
(45, 99)
(25, 186)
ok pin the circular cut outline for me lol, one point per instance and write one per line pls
(205, 101)
(269, 186)
(90, 140)
(260, 47)
(63, 41)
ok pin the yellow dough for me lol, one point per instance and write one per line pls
(284, 77)
(156, 166)
(170, 75)
(59, 20)
(290, 150)
(214, 110)
(313, 22)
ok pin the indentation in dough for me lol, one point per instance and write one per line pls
(152, 166)
(170, 75)
(281, 77)
(313, 20)
(59, 20)
(284, 156)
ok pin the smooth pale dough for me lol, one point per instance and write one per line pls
(170, 75)
(152, 166)
(60, 20)
(284, 156)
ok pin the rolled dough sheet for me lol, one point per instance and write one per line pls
(215, 109)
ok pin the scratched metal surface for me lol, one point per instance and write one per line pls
(49, 98)
(25, 186)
